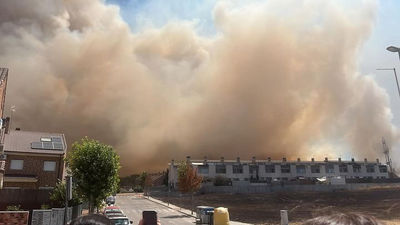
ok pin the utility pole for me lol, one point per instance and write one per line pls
(4, 122)
(68, 196)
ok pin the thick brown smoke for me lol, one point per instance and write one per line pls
(278, 79)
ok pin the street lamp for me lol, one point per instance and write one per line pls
(394, 49)
(395, 75)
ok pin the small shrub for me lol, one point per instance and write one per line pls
(45, 206)
(13, 208)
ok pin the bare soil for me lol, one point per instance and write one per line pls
(384, 204)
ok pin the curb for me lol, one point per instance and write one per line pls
(168, 206)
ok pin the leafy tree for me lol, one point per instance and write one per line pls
(141, 179)
(148, 182)
(57, 196)
(188, 179)
(165, 180)
(95, 168)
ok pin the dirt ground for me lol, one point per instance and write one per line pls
(384, 204)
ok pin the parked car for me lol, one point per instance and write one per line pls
(112, 209)
(119, 219)
(110, 200)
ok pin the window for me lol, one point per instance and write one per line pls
(301, 169)
(383, 169)
(220, 169)
(16, 164)
(253, 168)
(315, 169)
(343, 168)
(203, 169)
(370, 169)
(356, 168)
(49, 166)
(237, 168)
(329, 168)
(270, 168)
(285, 168)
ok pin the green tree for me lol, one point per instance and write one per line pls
(57, 196)
(188, 180)
(141, 180)
(95, 168)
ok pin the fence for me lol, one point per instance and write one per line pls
(27, 199)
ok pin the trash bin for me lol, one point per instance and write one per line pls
(203, 214)
(221, 216)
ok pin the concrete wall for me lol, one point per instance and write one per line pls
(264, 188)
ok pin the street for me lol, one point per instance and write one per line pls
(133, 205)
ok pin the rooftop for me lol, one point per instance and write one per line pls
(35, 142)
(282, 161)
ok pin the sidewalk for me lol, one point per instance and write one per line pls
(184, 211)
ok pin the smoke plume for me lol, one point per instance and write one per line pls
(278, 79)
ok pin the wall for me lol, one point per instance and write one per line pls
(259, 188)
(14, 217)
(28, 199)
(33, 165)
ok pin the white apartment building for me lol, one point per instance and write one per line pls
(268, 170)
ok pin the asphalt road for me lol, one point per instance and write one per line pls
(133, 205)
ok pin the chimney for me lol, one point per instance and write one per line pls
(326, 159)
(238, 159)
(253, 159)
(365, 160)
(269, 159)
(205, 159)
(17, 128)
(298, 159)
(312, 159)
(284, 159)
(222, 159)
(188, 159)
(340, 159)
(352, 159)
(377, 160)
(172, 162)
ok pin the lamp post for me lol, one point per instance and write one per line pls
(395, 75)
(394, 49)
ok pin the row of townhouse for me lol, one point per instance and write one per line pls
(267, 170)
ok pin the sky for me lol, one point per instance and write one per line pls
(142, 14)
(160, 80)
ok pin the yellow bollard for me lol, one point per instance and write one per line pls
(221, 216)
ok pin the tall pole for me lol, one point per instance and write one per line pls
(395, 75)
(397, 81)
